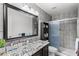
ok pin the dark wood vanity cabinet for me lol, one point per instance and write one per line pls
(38, 53)
(45, 51)
(42, 52)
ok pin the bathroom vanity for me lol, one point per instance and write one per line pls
(20, 25)
(42, 52)
(32, 47)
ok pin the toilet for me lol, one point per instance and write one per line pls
(52, 51)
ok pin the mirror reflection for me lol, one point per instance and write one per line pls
(21, 24)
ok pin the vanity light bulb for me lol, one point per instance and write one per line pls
(37, 13)
(26, 8)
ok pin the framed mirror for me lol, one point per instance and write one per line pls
(18, 23)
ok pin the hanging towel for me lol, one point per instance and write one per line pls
(77, 44)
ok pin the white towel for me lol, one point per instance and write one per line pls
(76, 44)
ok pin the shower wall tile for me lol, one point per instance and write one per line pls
(61, 34)
(78, 28)
(68, 33)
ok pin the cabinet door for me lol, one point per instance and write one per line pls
(39, 53)
(45, 51)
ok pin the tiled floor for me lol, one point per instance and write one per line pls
(64, 52)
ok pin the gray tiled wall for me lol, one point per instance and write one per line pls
(78, 23)
(68, 33)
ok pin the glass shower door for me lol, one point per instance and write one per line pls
(54, 38)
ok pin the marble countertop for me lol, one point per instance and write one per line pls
(25, 48)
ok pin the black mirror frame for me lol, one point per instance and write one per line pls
(5, 20)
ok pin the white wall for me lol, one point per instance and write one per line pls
(1, 20)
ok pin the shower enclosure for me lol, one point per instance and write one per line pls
(63, 34)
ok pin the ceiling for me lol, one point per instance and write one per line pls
(55, 8)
